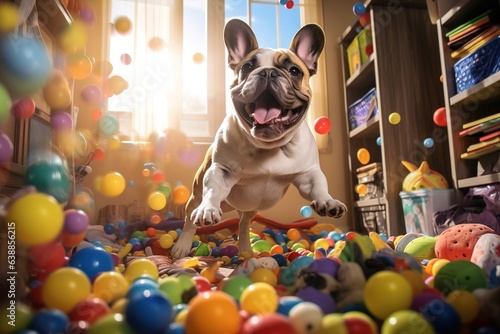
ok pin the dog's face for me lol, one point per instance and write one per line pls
(271, 92)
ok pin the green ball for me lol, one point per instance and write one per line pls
(49, 178)
(235, 285)
(172, 288)
(460, 275)
(111, 323)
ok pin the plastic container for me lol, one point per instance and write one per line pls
(419, 207)
(477, 66)
(363, 109)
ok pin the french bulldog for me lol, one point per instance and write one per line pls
(264, 144)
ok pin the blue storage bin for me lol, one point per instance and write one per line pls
(477, 66)
(359, 110)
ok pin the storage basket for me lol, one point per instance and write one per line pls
(477, 66)
(363, 109)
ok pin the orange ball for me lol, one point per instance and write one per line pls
(212, 312)
(180, 195)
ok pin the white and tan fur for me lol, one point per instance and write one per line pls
(264, 144)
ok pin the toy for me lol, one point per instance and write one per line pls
(458, 242)
(422, 177)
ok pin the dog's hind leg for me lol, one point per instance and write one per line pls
(246, 219)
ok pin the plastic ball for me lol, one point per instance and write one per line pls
(322, 125)
(387, 283)
(92, 261)
(268, 323)
(234, 285)
(56, 92)
(9, 16)
(264, 275)
(123, 25)
(293, 234)
(442, 316)
(394, 118)
(202, 283)
(74, 38)
(306, 211)
(113, 184)
(108, 125)
(157, 200)
(428, 142)
(379, 141)
(61, 121)
(172, 287)
(460, 275)
(75, 221)
(111, 323)
(49, 321)
(142, 286)
(198, 58)
(333, 323)
(306, 317)
(91, 94)
(259, 298)
(359, 322)
(166, 241)
(149, 313)
(212, 312)
(110, 286)
(109, 228)
(363, 156)
(47, 257)
(364, 19)
(6, 148)
(125, 59)
(89, 310)
(24, 108)
(40, 224)
(361, 189)
(64, 288)
(289, 4)
(318, 297)
(71, 240)
(24, 64)
(79, 66)
(141, 267)
(465, 303)
(359, 8)
(439, 117)
(180, 195)
(406, 321)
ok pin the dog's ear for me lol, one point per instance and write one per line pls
(240, 41)
(308, 44)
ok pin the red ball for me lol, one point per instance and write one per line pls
(322, 125)
(202, 283)
(439, 117)
(275, 323)
(89, 310)
(47, 257)
(24, 108)
(364, 19)
(289, 4)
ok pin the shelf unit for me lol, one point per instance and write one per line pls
(405, 70)
(477, 101)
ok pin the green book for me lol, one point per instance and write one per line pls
(467, 24)
(481, 120)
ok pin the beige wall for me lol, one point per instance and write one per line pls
(129, 160)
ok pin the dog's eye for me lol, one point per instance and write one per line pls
(294, 71)
(246, 68)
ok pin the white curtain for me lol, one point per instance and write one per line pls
(312, 12)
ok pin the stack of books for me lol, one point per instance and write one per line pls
(489, 141)
(372, 176)
(470, 36)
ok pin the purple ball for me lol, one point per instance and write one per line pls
(61, 121)
(325, 266)
(75, 221)
(91, 94)
(6, 148)
(229, 250)
(323, 300)
(422, 299)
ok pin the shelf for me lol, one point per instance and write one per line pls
(370, 202)
(464, 10)
(363, 74)
(54, 16)
(370, 129)
(479, 180)
(489, 89)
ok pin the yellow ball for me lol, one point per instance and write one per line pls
(74, 38)
(333, 323)
(259, 298)
(36, 218)
(465, 303)
(436, 267)
(113, 184)
(8, 17)
(139, 267)
(264, 275)
(166, 241)
(394, 118)
(64, 288)
(123, 24)
(110, 286)
(157, 200)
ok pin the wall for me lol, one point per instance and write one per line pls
(129, 160)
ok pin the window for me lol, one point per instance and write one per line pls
(173, 60)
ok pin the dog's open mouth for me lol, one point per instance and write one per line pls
(267, 112)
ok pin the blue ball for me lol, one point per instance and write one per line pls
(176, 328)
(379, 141)
(109, 228)
(286, 303)
(335, 236)
(141, 285)
(149, 313)
(92, 261)
(306, 211)
(280, 259)
(359, 9)
(49, 321)
(442, 316)
(122, 224)
(428, 142)
(283, 2)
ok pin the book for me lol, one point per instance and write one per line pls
(480, 152)
(483, 144)
(468, 24)
(473, 27)
(477, 42)
(490, 136)
(459, 42)
(481, 120)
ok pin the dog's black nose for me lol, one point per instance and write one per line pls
(314, 280)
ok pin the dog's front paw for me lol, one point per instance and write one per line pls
(331, 207)
(206, 214)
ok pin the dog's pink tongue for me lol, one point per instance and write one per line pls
(263, 114)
